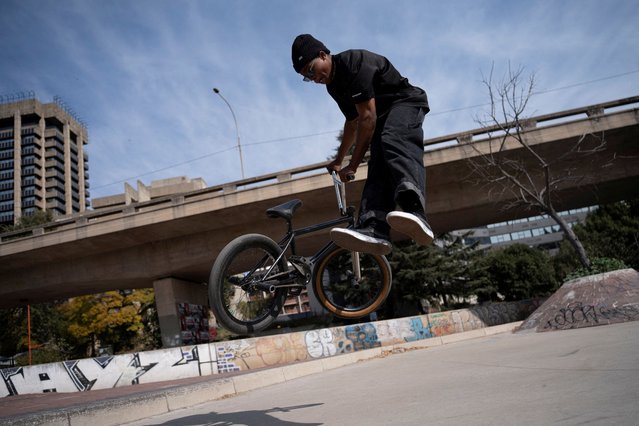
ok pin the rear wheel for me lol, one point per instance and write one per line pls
(238, 301)
(346, 293)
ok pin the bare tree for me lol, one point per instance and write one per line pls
(532, 177)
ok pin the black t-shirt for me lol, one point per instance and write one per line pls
(360, 75)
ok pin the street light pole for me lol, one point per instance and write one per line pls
(237, 129)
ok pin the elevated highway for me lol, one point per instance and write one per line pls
(179, 236)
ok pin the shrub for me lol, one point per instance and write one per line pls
(598, 265)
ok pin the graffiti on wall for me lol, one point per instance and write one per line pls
(230, 355)
(238, 355)
(343, 340)
(108, 372)
(577, 314)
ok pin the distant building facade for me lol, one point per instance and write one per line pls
(43, 165)
(157, 189)
(537, 231)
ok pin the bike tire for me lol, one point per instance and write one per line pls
(238, 308)
(338, 290)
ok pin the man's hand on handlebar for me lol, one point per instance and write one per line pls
(346, 174)
(334, 166)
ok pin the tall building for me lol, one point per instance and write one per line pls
(43, 165)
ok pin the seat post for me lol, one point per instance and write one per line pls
(290, 231)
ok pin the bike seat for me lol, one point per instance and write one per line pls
(285, 210)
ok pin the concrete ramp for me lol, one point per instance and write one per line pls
(602, 299)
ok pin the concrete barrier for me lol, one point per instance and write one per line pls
(261, 352)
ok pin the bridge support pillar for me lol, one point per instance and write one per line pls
(169, 292)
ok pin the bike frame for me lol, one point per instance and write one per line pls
(289, 239)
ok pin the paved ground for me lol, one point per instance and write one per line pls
(569, 377)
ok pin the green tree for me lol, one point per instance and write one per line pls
(47, 333)
(516, 272)
(439, 273)
(39, 217)
(339, 139)
(612, 231)
(115, 318)
(609, 232)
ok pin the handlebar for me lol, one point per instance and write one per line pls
(340, 192)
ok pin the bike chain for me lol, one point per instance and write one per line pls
(304, 267)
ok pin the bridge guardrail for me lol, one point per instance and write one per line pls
(87, 217)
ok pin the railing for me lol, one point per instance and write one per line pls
(16, 97)
(31, 130)
(6, 134)
(53, 133)
(533, 122)
(287, 175)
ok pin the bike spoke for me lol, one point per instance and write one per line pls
(243, 300)
(343, 289)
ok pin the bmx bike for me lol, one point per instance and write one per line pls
(253, 275)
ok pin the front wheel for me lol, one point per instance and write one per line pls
(238, 297)
(348, 291)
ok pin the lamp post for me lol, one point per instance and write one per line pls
(29, 330)
(237, 129)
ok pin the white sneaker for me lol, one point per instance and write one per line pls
(360, 241)
(411, 225)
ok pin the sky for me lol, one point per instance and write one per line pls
(140, 73)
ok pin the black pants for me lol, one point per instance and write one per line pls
(396, 174)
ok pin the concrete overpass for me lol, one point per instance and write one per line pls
(177, 237)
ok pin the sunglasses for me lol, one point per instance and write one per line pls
(310, 73)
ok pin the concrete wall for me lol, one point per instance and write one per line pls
(252, 353)
(168, 293)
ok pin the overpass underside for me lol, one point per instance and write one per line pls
(180, 236)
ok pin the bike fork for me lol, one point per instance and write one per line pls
(356, 268)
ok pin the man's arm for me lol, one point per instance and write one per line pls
(364, 129)
(348, 139)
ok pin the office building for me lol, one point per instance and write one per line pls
(537, 231)
(43, 165)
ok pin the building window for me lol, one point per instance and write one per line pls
(521, 235)
(6, 217)
(7, 184)
(6, 194)
(6, 206)
(28, 170)
(500, 238)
